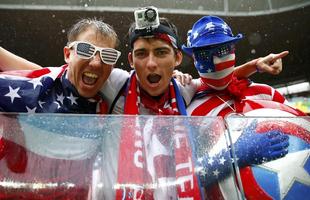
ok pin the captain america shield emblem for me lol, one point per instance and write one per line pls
(287, 177)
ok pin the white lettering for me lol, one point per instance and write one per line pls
(177, 138)
(138, 162)
(138, 143)
(185, 165)
(183, 179)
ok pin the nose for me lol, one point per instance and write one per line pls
(151, 62)
(96, 61)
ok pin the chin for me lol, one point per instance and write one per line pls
(86, 94)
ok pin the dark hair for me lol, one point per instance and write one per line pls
(101, 27)
(166, 22)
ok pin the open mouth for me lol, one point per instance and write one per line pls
(153, 78)
(89, 78)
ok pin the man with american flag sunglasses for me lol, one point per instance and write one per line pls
(71, 88)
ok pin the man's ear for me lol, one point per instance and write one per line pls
(67, 53)
(130, 60)
(178, 58)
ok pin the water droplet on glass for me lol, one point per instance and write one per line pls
(254, 38)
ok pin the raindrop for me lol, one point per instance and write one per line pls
(255, 38)
(287, 41)
(253, 51)
(122, 64)
(53, 16)
(85, 5)
(63, 30)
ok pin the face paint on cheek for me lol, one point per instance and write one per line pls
(218, 72)
(204, 66)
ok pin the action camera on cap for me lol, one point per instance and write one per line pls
(146, 18)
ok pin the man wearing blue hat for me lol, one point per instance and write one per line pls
(212, 36)
(212, 46)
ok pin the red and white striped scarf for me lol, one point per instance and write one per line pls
(135, 179)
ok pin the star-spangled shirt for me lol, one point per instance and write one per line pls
(47, 90)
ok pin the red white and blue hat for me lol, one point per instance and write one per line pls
(209, 30)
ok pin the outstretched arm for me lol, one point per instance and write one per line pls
(271, 64)
(10, 61)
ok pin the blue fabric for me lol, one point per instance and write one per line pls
(49, 95)
(179, 99)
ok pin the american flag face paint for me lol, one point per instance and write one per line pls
(86, 50)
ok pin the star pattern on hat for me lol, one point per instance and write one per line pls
(226, 28)
(195, 35)
(210, 26)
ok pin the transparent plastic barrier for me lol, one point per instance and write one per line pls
(273, 155)
(53, 156)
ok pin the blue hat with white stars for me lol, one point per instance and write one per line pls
(208, 30)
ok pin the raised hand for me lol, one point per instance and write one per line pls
(256, 148)
(272, 63)
(181, 77)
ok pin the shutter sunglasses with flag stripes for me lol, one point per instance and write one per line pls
(86, 50)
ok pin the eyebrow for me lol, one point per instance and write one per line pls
(163, 48)
(156, 49)
(141, 49)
